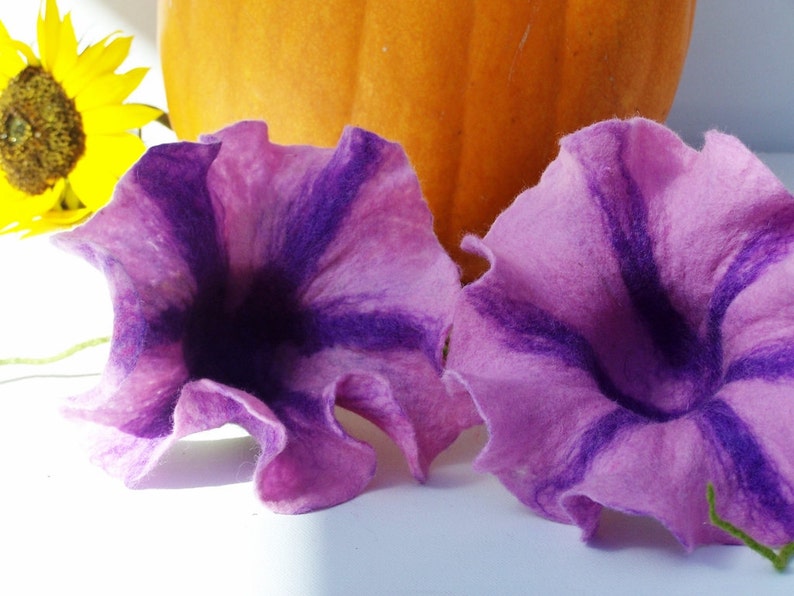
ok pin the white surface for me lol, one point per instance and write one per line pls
(198, 529)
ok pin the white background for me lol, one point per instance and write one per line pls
(198, 528)
(739, 75)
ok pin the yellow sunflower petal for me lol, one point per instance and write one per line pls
(115, 52)
(67, 50)
(113, 119)
(12, 51)
(17, 208)
(106, 159)
(94, 61)
(27, 53)
(4, 36)
(11, 62)
(56, 220)
(48, 27)
(92, 183)
(13, 54)
(109, 89)
(114, 153)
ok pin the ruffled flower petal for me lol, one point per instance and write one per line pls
(284, 281)
(633, 339)
(371, 311)
(320, 462)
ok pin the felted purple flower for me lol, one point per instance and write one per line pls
(261, 285)
(633, 339)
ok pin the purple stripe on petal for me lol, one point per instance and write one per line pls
(761, 251)
(175, 178)
(598, 437)
(374, 331)
(755, 473)
(768, 363)
(626, 222)
(529, 329)
(314, 220)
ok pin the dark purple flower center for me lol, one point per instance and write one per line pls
(251, 344)
(243, 345)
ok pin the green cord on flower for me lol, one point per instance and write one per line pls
(779, 559)
(60, 356)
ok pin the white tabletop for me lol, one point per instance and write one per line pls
(197, 527)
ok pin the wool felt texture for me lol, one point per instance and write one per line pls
(633, 338)
(262, 285)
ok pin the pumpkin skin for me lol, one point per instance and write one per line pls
(477, 92)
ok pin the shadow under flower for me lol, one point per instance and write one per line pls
(622, 532)
(193, 463)
(451, 469)
(619, 531)
(213, 458)
(391, 467)
(209, 460)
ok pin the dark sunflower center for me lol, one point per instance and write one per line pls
(41, 131)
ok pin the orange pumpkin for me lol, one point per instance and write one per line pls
(477, 91)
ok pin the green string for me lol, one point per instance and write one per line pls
(779, 559)
(60, 356)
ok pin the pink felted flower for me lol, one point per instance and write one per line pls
(261, 285)
(633, 339)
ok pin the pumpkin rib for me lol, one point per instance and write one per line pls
(356, 74)
(471, 120)
(477, 99)
(401, 54)
(445, 226)
(516, 128)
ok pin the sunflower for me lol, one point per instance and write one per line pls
(64, 132)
